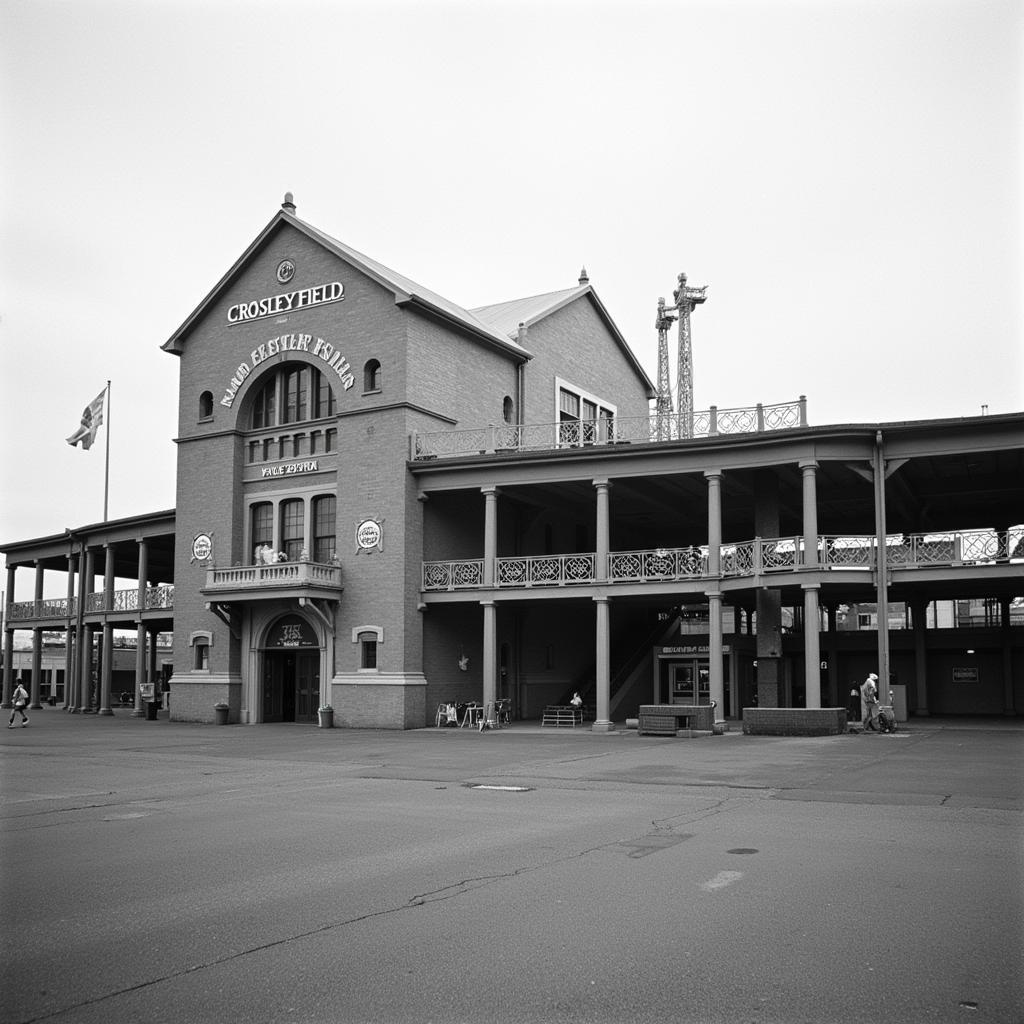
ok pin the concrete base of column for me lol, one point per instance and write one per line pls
(105, 711)
(138, 714)
(603, 727)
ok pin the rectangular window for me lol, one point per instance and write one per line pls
(296, 395)
(323, 396)
(264, 405)
(202, 658)
(324, 542)
(293, 538)
(262, 529)
(568, 405)
(369, 654)
(589, 424)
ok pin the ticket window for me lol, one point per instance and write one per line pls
(690, 682)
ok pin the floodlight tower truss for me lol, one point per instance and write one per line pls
(686, 298)
(663, 412)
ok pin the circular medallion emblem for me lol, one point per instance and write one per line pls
(368, 534)
(285, 271)
(202, 547)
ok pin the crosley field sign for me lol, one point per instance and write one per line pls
(286, 302)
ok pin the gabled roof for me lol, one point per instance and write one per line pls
(505, 317)
(406, 291)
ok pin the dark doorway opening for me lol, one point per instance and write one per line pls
(291, 686)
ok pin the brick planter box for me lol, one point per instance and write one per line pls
(670, 719)
(794, 721)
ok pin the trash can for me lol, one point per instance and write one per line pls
(221, 711)
(151, 708)
(326, 717)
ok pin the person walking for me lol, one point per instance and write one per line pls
(20, 699)
(869, 702)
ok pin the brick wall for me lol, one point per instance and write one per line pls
(794, 721)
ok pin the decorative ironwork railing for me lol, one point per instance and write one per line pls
(743, 559)
(545, 570)
(453, 575)
(161, 597)
(526, 437)
(659, 564)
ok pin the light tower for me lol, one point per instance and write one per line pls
(686, 298)
(663, 411)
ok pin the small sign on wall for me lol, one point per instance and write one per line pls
(966, 675)
(370, 535)
(202, 547)
(291, 631)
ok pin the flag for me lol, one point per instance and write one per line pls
(92, 417)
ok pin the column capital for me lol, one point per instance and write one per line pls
(490, 490)
(806, 464)
(602, 482)
(713, 474)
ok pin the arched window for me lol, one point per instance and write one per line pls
(295, 393)
(322, 397)
(264, 406)
(206, 405)
(371, 376)
(508, 409)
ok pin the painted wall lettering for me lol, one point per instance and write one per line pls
(286, 302)
(310, 466)
(290, 343)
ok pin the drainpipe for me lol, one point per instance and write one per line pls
(882, 570)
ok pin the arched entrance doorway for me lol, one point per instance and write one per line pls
(291, 671)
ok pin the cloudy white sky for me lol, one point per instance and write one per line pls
(845, 175)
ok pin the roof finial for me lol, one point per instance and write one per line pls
(583, 276)
(289, 203)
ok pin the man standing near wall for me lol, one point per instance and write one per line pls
(869, 701)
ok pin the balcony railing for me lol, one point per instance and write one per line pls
(545, 570)
(743, 559)
(161, 597)
(537, 437)
(287, 574)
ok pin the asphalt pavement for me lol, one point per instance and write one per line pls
(158, 871)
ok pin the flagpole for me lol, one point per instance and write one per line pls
(106, 470)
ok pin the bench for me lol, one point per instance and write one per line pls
(562, 715)
(668, 719)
